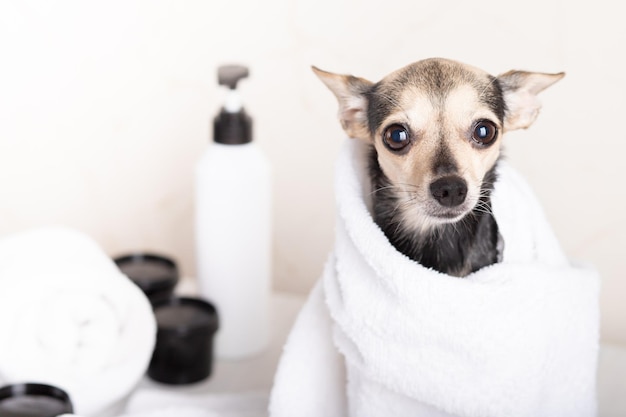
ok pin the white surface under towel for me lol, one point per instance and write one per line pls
(157, 403)
(69, 318)
(383, 336)
(241, 404)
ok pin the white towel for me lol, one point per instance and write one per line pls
(69, 318)
(383, 336)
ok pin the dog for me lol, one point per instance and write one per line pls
(435, 128)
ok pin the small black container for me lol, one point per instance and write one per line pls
(184, 348)
(34, 400)
(156, 275)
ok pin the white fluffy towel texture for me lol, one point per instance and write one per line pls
(68, 317)
(382, 336)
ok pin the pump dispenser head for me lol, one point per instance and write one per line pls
(231, 74)
(232, 126)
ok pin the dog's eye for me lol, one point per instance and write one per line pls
(396, 137)
(484, 132)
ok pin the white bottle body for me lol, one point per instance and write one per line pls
(233, 244)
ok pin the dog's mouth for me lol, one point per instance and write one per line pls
(429, 214)
(439, 214)
(421, 210)
(448, 215)
(450, 199)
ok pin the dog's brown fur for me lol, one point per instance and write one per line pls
(437, 103)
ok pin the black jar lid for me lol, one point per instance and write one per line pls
(155, 274)
(34, 400)
(185, 315)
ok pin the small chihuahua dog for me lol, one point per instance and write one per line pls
(435, 128)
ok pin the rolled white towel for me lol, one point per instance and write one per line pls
(51, 249)
(69, 318)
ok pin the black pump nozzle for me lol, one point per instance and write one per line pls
(232, 126)
(230, 75)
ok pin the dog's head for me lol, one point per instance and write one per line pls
(437, 127)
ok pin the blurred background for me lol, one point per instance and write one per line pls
(106, 107)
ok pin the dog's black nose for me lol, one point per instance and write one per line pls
(449, 191)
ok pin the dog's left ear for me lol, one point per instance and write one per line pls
(520, 89)
(351, 93)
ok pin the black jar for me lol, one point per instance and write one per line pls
(34, 400)
(156, 275)
(184, 347)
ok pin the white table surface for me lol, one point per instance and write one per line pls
(255, 374)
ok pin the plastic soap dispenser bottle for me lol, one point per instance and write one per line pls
(233, 227)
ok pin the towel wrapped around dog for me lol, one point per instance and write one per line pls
(70, 318)
(381, 335)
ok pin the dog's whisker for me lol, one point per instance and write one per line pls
(391, 100)
(387, 97)
(399, 187)
(481, 95)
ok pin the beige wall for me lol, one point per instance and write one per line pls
(105, 108)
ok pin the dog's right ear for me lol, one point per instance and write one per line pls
(520, 89)
(351, 93)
